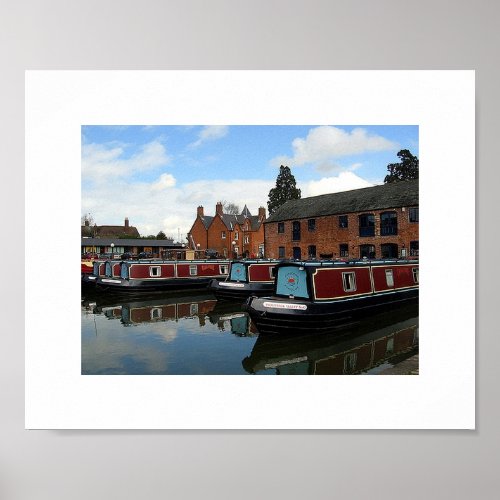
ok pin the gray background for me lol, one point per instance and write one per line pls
(217, 34)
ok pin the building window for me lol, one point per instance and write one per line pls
(414, 248)
(367, 251)
(344, 250)
(389, 277)
(311, 251)
(297, 253)
(413, 214)
(281, 227)
(367, 225)
(237, 250)
(223, 235)
(193, 270)
(246, 239)
(281, 252)
(296, 230)
(349, 282)
(389, 251)
(155, 271)
(236, 236)
(343, 221)
(388, 224)
(311, 225)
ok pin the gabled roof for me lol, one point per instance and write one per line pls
(109, 231)
(246, 212)
(393, 195)
(207, 220)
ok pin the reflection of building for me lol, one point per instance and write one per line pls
(376, 222)
(228, 234)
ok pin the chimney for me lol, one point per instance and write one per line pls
(199, 211)
(126, 222)
(262, 213)
(218, 208)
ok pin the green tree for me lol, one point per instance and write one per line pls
(161, 236)
(406, 169)
(286, 189)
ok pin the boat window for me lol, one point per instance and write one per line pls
(415, 274)
(272, 272)
(389, 277)
(95, 268)
(389, 347)
(193, 309)
(156, 313)
(350, 360)
(154, 271)
(223, 269)
(193, 270)
(349, 282)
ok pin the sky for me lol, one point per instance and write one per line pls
(158, 175)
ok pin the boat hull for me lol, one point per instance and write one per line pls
(280, 315)
(146, 286)
(229, 290)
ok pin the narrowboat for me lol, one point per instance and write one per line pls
(161, 275)
(98, 269)
(245, 277)
(318, 295)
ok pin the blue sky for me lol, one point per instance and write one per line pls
(157, 175)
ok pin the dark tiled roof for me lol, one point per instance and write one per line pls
(207, 220)
(110, 231)
(393, 195)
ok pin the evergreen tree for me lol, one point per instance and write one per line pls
(285, 189)
(161, 236)
(403, 171)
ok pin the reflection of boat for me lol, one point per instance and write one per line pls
(317, 295)
(154, 309)
(354, 348)
(246, 277)
(229, 316)
(161, 275)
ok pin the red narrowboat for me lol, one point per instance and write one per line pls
(98, 269)
(245, 277)
(318, 295)
(162, 275)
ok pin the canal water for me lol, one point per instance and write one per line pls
(194, 334)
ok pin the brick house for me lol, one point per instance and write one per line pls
(374, 222)
(228, 234)
(125, 231)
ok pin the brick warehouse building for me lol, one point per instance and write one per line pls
(374, 222)
(228, 234)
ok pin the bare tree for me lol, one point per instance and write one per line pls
(230, 208)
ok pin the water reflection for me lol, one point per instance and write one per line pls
(194, 334)
(365, 346)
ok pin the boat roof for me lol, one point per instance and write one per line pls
(346, 263)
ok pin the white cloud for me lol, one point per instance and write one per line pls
(345, 181)
(210, 133)
(164, 182)
(325, 143)
(103, 162)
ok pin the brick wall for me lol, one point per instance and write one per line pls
(198, 234)
(327, 236)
